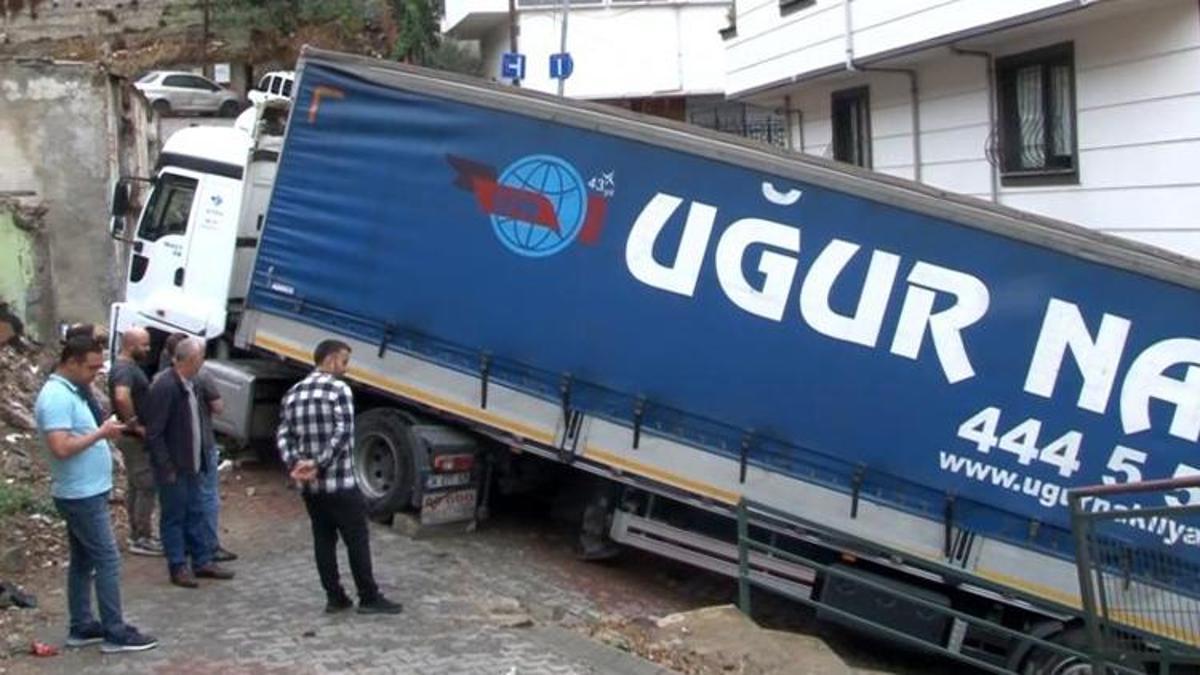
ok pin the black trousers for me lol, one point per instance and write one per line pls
(343, 513)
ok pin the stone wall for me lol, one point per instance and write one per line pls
(31, 21)
(67, 130)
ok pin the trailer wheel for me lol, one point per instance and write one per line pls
(1043, 662)
(384, 465)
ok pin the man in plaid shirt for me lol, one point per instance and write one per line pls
(316, 440)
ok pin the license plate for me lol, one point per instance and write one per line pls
(445, 480)
(453, 506)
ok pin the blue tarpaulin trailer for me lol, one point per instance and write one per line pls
(724, 321)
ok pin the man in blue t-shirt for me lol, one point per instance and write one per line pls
(81, 478)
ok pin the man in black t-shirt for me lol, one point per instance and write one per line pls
(128, 388)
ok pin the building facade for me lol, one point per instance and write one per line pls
(660, 57)
(1084, 110)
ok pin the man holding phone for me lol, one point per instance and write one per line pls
(81, 478)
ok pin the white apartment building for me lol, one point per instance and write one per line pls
(1082, 110)
(663, 57)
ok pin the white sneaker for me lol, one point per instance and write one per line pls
(147, 547)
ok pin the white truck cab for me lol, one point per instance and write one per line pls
(195, 239)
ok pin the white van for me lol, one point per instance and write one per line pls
(273, 86)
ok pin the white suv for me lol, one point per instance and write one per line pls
(177, 91)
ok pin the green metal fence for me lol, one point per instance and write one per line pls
(1138, 557)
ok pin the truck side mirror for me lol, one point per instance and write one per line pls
(116, 227)
(119, 201)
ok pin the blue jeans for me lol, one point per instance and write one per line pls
(210, 489)
(181, 522)
(93, 551)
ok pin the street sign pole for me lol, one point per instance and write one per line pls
(562, 48)
(513, 29)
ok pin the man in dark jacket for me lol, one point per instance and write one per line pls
(175, 440)
(210, 486)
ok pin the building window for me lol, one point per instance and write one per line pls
(852, 126)
(787, 7)
(1037, 117)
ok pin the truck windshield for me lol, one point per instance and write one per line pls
(170, 204)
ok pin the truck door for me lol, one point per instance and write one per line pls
(158, 248)
(177, 278)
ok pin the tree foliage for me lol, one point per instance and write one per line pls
(457, 57)
(284, 17)
(416, 22)
(417, 37)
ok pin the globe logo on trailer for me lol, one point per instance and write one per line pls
(561, 184)
(539, 205)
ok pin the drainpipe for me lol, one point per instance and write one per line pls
(990, 64)
(848, 20)
(514, 28)
(790, 115)
(914, 92)
(913, 88)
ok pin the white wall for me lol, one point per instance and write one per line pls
(771, 48)
(622, 51)
(491, 48)
(457, 13)
(1138, 123)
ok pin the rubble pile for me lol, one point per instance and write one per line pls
(19, 382)
(718, 640)
(32, 540)
(33, 548)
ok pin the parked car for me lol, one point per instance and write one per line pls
(275, 85)
(173, 91)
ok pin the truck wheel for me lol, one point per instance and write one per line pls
(1042, 662)
(594, 543)
(384, 467)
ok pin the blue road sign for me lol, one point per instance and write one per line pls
(561, 66)
(512, 66)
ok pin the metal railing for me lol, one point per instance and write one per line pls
(1138, 558)
(764, 126)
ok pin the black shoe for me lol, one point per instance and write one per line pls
(183, 578)
(130, 640)
(221, 555)
(91, 634)
(335, 605)
(380, 605)
(213, 571)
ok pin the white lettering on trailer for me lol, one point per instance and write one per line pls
(682, 275)
(917, 316)
(1098, 359)
(1064, 329)
(1147, 380)
(863, 327)
(946, 326)
(779, 271)
(779, 198)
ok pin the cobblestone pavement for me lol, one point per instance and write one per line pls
(469, 608)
